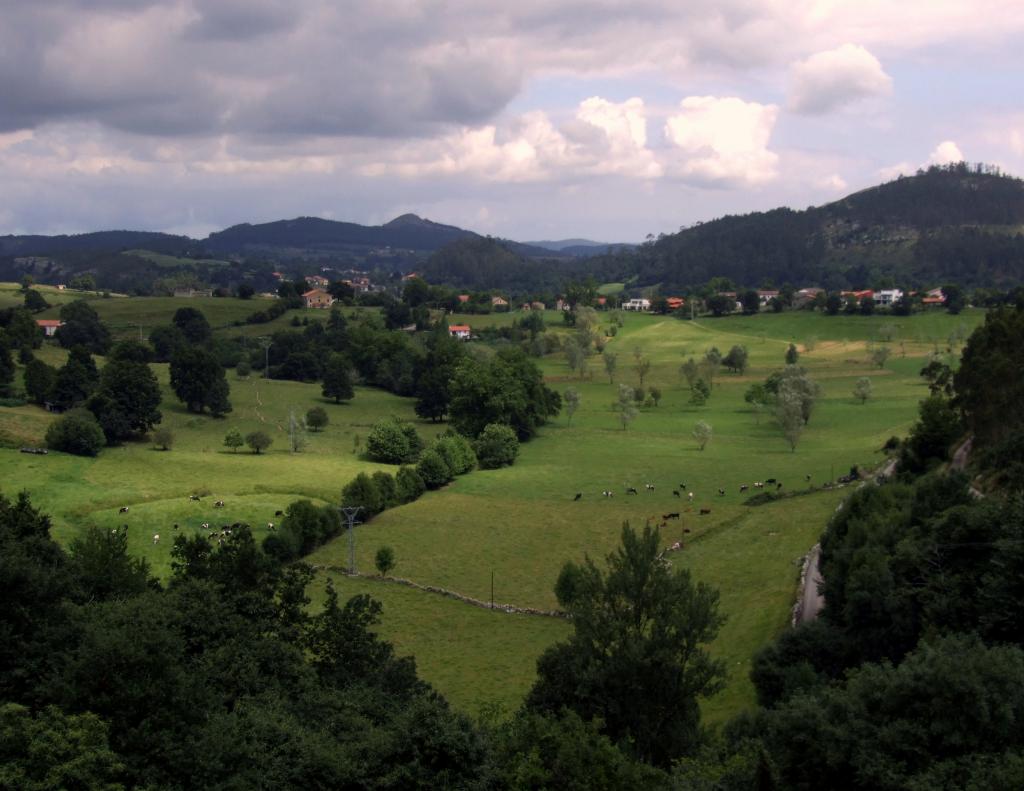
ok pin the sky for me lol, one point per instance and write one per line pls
(534, 119)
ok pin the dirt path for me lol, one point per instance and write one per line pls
(811, 597)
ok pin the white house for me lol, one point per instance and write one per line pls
(50, 326)
(460, 331)
(887, 297)
(637, 304)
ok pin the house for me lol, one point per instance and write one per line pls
(463, 298)
(887, 297)
(316, 281)
(317, 298)
(602, 301)
(278, 275)
(460, 331)
(537, 306)
(410, 276)
(637, 303)
(764, 297)
(188, 293)
(858, 295)
(498, 302)
(50, 326)
(934, 297)
(562, 304)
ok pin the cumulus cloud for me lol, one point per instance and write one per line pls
(723, 141)
(829, 80)
(945, 153)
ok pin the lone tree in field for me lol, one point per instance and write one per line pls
(316, 418)
(259, 441)
(879, 356)
(337, 382)
(163, 438)
(637, 660)
(736, 359)
(792, 355)
(626, 406)
(197, 379)
(789, 414)
(690, 371)
(642, 366)
(758, 397)
(571, 399)
(655, 393)
(610, 360)
(702, 433)
(234, 440)
(700, 393)
(384, 560)
(862, 390)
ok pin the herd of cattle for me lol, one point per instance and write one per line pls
(216, 534)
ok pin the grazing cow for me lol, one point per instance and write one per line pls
(278, 513)
(649, 487)
(175, 525)
(193, 498)
(270, 526)
(705, 511)
(123, 509)
(632, 490)
(743, 488)
(778, 487)
(686, 530)
(577, 497)
(156, 538)
(675, 493)
(205, 525)
(682, 487)
(219, 504)
(721, 492)
(758, 485)
(673, 515)
(689, 496)
(769, 480)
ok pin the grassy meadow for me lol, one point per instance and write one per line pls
(520, 524)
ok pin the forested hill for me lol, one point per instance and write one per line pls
(956, 223)
(479, 263)
(98, 241)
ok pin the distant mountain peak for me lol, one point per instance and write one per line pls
(408, 219)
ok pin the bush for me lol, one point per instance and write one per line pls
(363, 492)
(305, 527)
(384, 560)
(410, 485)
(163, 438)
(497, 446)
(433, 470)
(243, 369)
(76, 432)
(393, 442)
(457, 452)
(388, 489)
(316, 418)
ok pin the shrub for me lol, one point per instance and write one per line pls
(410, 485)
(433, 469)
(457, 452)
(234, 440)
(243, 369)
(163, 438)
(363, 492)
(497, 446)
(76, 432)
(393, 442)
(384, 560)
(387, 487)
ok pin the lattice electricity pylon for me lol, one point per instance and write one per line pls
(349, 513)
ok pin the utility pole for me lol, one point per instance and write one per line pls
(266, 343)
(492, 589)
(349, 512)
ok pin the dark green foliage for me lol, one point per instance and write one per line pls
(635, 658)
(384, 560)
(25, 355)
(387, 488)
(76, 432)
(392, 441)
(21, 329)
(39, 380)
(245, 291)
(131, 351)
(198, 380)
(363, 492)
(507, 389)
(433, 470)
(103, 568)
(163, 438)
(833, 304)
(792, 355)
(82, 327)
(433, 383)
(316, 418)
(258, 441)
(751, 302)
(457, 452)
(34, 301)
(127, 400)
(7, 367)
(304, 528)
(720, 304)
(810, 655)
(955, 299)
(497, 446)
(931, 436)
(409, 484)
(736, 359)
(166, 340)
(193, 325)
(337, 381)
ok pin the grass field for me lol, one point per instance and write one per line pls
(521, 523)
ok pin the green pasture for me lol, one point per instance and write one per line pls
(521, 523)
(165, 261)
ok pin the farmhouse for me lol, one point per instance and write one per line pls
(463, 298)
(317, 281)
(764, 297)
(50, 326)
(317, 298)
(636, 303)
(460, 331)
(499, 302)
(887, 297)
(674, 303)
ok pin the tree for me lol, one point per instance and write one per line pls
(316, 418)
(690, 371)
(82, 326)
(571, 399)
(758, 397)
(736, 359)
(574, 356)
(166, 340)
(234, 440)
(433, 470)
(789, 414)
(76, 432)
(833, 304)
(384, 560)
(792, 355)
(702, 433)
(22, 330)
(198, 380)
(956, 301)
(258, 441)
(243, 369)
(34, 301)
(245, 291)
(39, 381)
(392, 441)
(497, 446)
(710, 364)
(457, 452)
(626, 406)
(409, 484)
(163, 438)
(337, 382)
(610, 360)
(720, 304)
(793, 380)
(751, 302)
(76, 380)
(193, 325)
(636, 659)
(126, 404)
(879, 356)
(700, 393)
(655, 392)
(862, 389)
(867, 306)
(363, 492)
(641, 364)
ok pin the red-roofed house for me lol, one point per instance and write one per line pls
(460, 331)
(463, 298)
(50, 326)
(317, 298)
(674, 303)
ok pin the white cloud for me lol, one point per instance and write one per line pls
(833, 182)
(828, 80)
(946, 152)
(723, 141)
